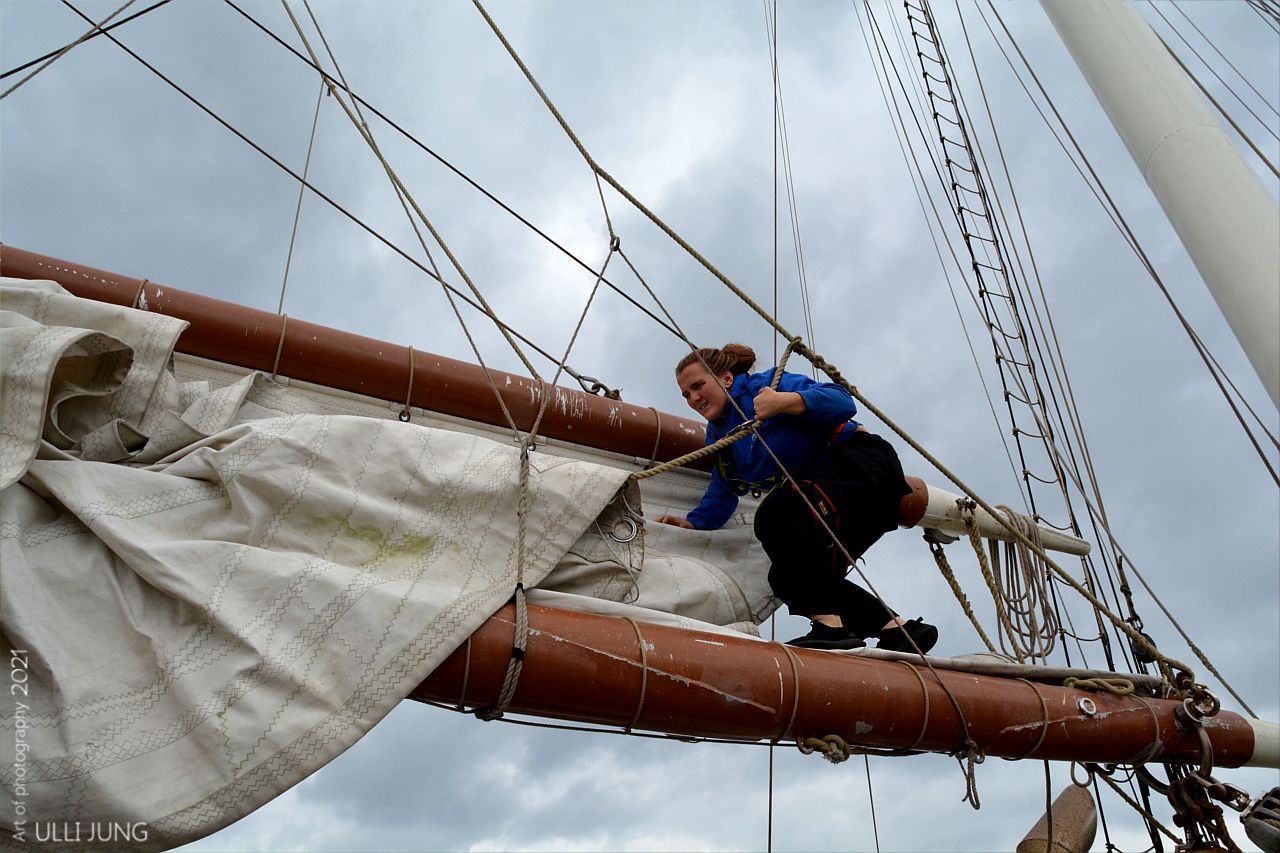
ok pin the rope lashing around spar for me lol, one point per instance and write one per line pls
(1115, 686)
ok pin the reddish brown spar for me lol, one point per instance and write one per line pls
(590, 668)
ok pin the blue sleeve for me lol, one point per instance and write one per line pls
(825, 403)
(717, 504)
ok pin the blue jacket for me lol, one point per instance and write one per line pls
(795, 439)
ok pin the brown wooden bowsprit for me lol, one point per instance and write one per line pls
(588, 668)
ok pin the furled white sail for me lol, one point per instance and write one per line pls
(211, 596)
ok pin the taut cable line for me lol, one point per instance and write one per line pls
(302, 188)
(363, 130)
(907, 149)
(1229, 63)
(94, 33)
(63, 51)
(297, 177)
(413, 140)
(1217, 77)
(1121, 224)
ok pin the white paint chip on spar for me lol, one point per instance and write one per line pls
(862, 728)
(710, 643)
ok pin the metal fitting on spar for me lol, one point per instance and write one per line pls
(1266, 744)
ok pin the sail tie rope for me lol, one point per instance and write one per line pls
(466, 675)
(521, 639)
(657, 436)
(644, 674)
(284, 327)
(408, 394)
(972, 756)
(516, 664)
(1044, 725)
(924, 693)
(837, 750)
(795, 692)
(137, 297)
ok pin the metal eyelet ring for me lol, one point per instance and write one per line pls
(1088, 779)
(631, 527)
(1086, 706)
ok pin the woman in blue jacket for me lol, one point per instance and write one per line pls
(853, 480)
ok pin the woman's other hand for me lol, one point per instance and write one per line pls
(675, 521)
(770, 402)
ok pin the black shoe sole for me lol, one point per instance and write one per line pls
(846, 643)
(924, 636)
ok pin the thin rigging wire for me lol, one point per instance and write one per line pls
(1253, 146)
(906, 148)
(771, 29)
(1271, 17)
(1214, 71)
(772, 26)
(1113, 210)
(302, 188)
(97, 31)
(422, 146)
(320, 193)
(1199, 654)
(1054, 357)
(780, 123)
(63, 52)
(1229, 63)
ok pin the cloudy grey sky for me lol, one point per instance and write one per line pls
(102, 163)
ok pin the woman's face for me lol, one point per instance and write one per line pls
(702, 392)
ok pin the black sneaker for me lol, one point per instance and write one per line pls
(924, 635)
(825, 637)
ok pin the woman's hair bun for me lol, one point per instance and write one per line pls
(744, 357)
(734, 358)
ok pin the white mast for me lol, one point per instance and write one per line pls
(1223, 214)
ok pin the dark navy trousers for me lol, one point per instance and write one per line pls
(856, 486)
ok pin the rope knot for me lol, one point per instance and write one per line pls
(833, 747)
